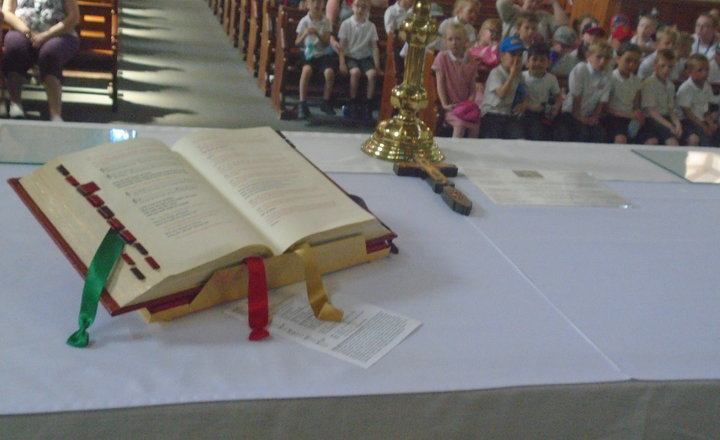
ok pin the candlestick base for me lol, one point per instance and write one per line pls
(402, 138)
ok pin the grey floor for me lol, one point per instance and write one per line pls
(177, 68)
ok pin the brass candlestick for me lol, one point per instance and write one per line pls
(405, 136)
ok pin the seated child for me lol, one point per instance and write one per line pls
(455, 74)
(313, 33)
(580, 22)
(464, 13)
(562, 58)
(394, 16)
(591, 33)
(646, 27)
(548, 20)
(498, 113)
(624, 101)
(658, 103)
(588, 92)
(683, 49)
(359, 54)
(527, 31)
(693, 100)
(714, 75)
(666, 38)
(543, 92)
(619, 19)
(619, 36)
(485, 50)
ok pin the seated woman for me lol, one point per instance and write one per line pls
(43, 33)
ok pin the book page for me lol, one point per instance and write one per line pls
(272, 184)
(162, 201)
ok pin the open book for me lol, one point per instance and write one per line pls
(213, 199)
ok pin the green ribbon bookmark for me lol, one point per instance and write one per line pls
(100, 268)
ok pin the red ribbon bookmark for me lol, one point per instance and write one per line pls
(258, 313)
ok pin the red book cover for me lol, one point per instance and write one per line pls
(155, 305)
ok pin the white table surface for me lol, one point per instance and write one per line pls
(508, 296)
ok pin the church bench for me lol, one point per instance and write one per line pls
(243, 27)
(286, 70)
(266, 53)
(97, 59)
(233, 22)
(226, 10)
(253, 46)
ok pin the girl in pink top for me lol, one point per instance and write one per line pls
(485, 50)
(455, 74)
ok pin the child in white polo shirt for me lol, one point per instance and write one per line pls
(666, 39)
(588, 93)
(624, 103)
(683, 49)
(646, 27)
(527, 31)
(359, 54)
(693, 102)
(658, 103)
(395, 14)
(562, 58)
(714, 76)
(543, 93)
(499, 108)
(313, 35)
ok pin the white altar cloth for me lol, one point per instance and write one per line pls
(509, 296)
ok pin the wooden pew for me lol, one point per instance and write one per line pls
(266, 54)
(429, 114)
(286, 71)
(393, 67)
(233, 22)
(229, 9)
(217, 6)
(243, 27)
(377, 16)
(287, 57)
(253, 48)
(97, 58)
(391, 76)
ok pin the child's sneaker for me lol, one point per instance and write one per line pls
(304, 111)
(327, 108)
(16, 111)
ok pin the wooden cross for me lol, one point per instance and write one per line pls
(436, 174)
